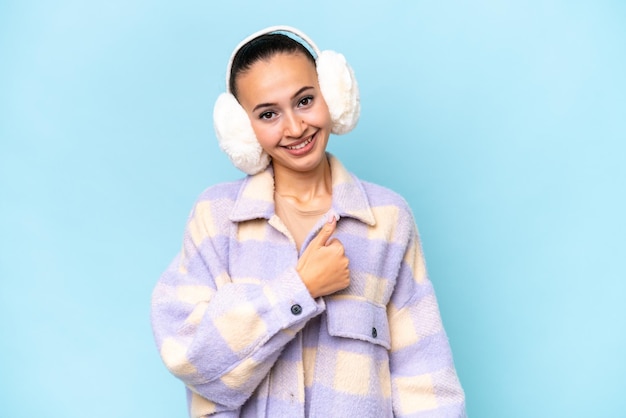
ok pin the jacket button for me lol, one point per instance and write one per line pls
(374, 333)
(296, 309)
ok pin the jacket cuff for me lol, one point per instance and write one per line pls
(293, 304)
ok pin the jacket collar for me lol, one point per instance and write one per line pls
(256, 196)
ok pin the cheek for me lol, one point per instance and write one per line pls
(323, 116)
(266, 134)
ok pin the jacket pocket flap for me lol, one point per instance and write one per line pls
(358, 318)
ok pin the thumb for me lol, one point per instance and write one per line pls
(326, 231)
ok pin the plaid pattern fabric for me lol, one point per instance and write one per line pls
(235, 323)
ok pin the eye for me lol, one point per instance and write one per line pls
(266, 115)
(305, 101)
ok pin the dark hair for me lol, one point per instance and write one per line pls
(263, 48)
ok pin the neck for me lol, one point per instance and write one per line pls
(305, 188)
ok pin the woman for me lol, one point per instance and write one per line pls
(300, 290)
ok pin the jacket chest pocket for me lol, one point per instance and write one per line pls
(358, 318)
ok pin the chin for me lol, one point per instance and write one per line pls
(303, 164)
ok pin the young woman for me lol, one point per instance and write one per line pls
(300, 290)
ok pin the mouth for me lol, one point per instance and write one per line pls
(301, 144)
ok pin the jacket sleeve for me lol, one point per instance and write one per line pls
(423, 378)
(222, 338)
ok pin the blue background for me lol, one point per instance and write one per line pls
(502, 123)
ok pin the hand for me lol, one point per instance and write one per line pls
(323, 266)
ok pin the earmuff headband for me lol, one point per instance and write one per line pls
(266, 31)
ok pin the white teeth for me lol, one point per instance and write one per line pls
(302, 145)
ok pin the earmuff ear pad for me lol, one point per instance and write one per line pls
(340, 91)
(236, 137)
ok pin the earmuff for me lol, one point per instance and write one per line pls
(338, 87)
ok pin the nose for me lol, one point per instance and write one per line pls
(293, 126)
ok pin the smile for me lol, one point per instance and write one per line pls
(302, 144)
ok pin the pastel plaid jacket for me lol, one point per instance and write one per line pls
(235, 323)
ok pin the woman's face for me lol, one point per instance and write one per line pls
(288, 113)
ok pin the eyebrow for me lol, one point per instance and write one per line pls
(299, 92)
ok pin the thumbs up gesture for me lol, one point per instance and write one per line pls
(323, 267)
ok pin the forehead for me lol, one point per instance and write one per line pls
(276, 76)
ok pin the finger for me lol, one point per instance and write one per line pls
(326, 231)
(335, 244)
